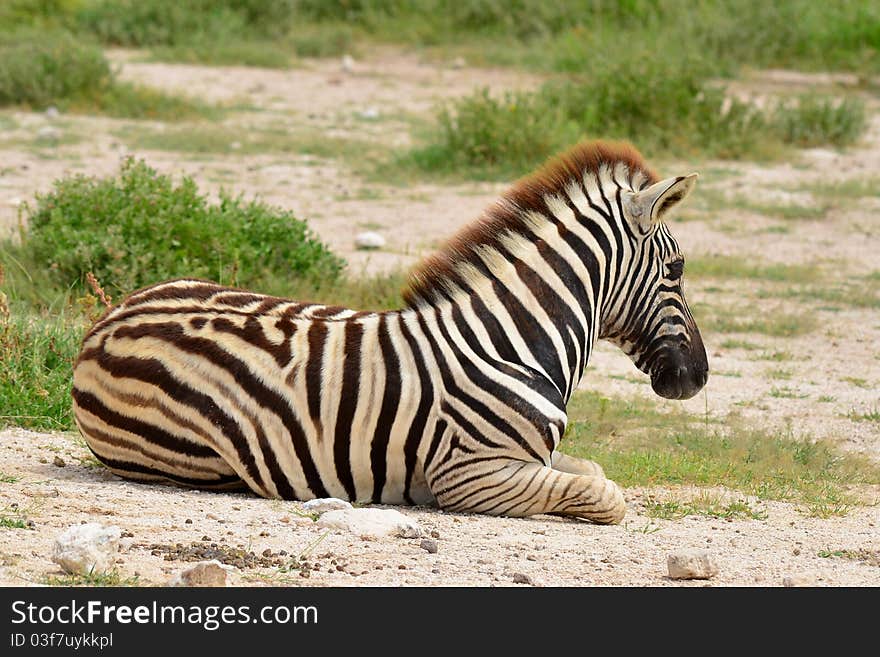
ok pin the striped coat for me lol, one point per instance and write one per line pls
(457, 399)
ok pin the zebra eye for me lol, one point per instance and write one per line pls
(675, 269)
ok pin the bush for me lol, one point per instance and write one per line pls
(141, 228)
(507, 134)
(39, 68)
(812, 121)
(174, 23)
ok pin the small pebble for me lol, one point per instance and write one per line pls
(369, 240)
(58, 462)
(521, 578)
(429, 545)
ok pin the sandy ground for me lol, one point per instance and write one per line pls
(838, 363)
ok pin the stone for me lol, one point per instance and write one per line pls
(15, 202)
(691, 564)
(58, 462)
(48, 133)
(798, 580)
(371, 523)
(429, 545)
(204, 573)
(347, 63)
(88, 548)
(52, 112)
(369, 240)
(324, 504)
(522, 578)
(369, 114)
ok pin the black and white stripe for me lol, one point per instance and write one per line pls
(458, 398)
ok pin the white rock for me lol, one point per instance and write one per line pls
(204, 573)
(798, 580)
(324, 504)
(48, 133)
(52, 112)
(369, 240)
(370, 113)
(15, 202)
(89, 548)
(347, 63)
(691, 564)
(371, 523)
(459, 62)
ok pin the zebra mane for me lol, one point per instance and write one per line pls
(513, 214)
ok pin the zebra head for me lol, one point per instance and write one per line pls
(649, 319)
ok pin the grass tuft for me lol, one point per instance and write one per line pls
(640, 443)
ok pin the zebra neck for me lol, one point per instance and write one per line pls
(523, 303)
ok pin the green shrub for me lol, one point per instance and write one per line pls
(173, 23)
(140, 228)
(812, 121)
(505, 135)
(37, 13)
(39, 68)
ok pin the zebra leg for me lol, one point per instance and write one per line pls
(518, 488)
(574, 465)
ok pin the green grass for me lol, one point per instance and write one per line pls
(640, 443)
(812, 121)
(220, 140)
(8, 479)
(704, 504)
(109, 578)
(844, 293)
(735, 319)
(12, 517)
(851, 189)
(869, 557)
(738, 268)
(733, 343)
(784, 392)
(12, 523)
(36, 359)
(130, 101)
(867, 416)
(778, 373)
(781, 211)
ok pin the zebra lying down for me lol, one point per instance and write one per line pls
(457, 399)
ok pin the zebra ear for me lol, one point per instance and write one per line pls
(651, 205)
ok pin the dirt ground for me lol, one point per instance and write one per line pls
(834, 372)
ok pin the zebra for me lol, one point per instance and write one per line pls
(456, 400)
